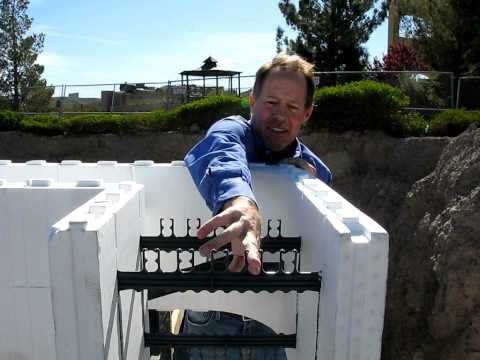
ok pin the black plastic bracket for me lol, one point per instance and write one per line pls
(168, 340)
(224, 281)
(172, 242)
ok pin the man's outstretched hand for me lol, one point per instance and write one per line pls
(241, 220)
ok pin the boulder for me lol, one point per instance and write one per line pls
(433, 300)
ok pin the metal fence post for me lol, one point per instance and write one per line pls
(458, 91)
(452, 90)
(113, 99)
(62, 98)
(169, 90)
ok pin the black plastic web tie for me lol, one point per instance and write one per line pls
(157, 251)
(213, 274)
(172, 242)
(281, 263)
(144, 260)
(223, 341)
(192, 253)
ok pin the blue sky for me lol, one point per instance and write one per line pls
(116, 41)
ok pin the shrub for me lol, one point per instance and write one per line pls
(202, 112)
(206, 111)
(43, 124)
(105, 123)
(358, 105)
(161, 120)
(453, 122)
(10, 120)
(410, 124)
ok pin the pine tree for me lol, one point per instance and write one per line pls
(18, 53)
(331, 33)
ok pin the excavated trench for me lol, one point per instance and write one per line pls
(424, 191)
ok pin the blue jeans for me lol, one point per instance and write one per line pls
(218, 323)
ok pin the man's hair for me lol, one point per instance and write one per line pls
(284, 61)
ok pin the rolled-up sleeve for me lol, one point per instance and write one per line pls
(219, 167)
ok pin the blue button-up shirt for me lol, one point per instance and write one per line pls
(218, 164)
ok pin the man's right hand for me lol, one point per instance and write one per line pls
(241, 220)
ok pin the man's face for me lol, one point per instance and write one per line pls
(278, 112)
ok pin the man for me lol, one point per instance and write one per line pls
(280, 103)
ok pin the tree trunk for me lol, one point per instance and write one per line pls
(16, 85)
(15, 53)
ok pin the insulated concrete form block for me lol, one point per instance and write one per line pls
(41, 323)
(7, 255)
(26, 324)
(336, 240)
(91, 319)
(171, 194)
(280, 310)
(15, 330)
(354, 273)
(273, 187)
(348, 247)
(323, 237)
(277, 310)
(132, 329)
(107, 171)
(27, 215)
(307, 326)
(38, 169)
(127, 211)
(76, 286)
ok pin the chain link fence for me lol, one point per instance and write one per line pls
(130, 97)
(426, 89)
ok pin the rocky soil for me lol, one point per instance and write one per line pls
(433, 301)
